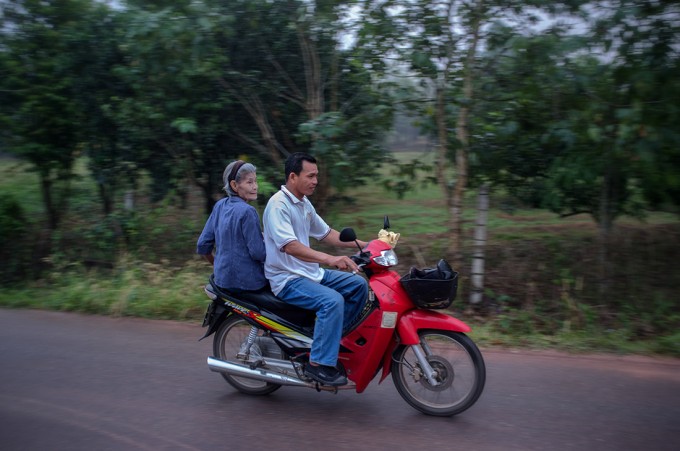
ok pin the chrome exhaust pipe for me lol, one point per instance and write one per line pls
(235, 369)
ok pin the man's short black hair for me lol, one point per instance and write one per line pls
(294, 163)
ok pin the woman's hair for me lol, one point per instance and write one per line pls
(242, 169)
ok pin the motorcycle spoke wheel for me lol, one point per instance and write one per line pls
(227, 344)
(460, 373)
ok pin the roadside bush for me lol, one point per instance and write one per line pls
(14, 252)
(153, 233)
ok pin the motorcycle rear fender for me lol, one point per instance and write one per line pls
(217, 312)
(411, 322)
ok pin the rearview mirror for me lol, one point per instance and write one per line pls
(348, 235)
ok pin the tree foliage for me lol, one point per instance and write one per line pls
(569, 105)
(177, 89)
(574, 123)
(38, 87)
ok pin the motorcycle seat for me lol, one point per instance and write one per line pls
(264, 299)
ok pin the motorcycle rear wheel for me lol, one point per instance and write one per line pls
(460, 368)
(229, 338)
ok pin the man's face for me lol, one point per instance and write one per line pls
(305, 183)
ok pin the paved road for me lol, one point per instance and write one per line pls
(75, 382)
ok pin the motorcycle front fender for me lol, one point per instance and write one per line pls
(413, 321)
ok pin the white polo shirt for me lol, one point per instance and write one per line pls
(287, 218)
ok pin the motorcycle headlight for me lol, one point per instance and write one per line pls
(386, 258)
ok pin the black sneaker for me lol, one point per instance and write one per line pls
(326, 375)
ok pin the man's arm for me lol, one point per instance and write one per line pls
(305, 253)
(333, 238)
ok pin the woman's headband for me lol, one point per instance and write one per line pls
(234, 171)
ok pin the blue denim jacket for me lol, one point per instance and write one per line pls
(233, 230)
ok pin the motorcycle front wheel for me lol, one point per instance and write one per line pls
(459, 368)
(228, 343)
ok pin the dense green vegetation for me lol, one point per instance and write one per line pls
(541, 286)
(116, 121)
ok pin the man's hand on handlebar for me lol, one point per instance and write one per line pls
(361, 259)
(344, 263)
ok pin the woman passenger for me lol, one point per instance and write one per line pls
(234, 233)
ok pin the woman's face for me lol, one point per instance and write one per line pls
(247, 187)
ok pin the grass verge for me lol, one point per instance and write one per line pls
(144, 290)
(156, 291)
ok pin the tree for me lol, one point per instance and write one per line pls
(441, 43)
(586, 124)
(645, 71)
(527, 86)
(40, 39)
(216, 80)
(587, 132)
(347, 116)
(99, 87)
(441, 46)
(629, 119)
(176, 122)
(303, 91)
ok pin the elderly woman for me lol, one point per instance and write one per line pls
(233, 231)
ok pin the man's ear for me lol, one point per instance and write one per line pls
(292, 177)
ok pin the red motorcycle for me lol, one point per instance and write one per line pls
(262, 343)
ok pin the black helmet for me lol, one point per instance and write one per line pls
(432, 288)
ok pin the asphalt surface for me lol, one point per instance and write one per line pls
(76, 382)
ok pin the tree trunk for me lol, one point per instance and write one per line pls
(477, 275)
(442, 137)
(605, 222)
(208, 191)
(52, 212)
(459, 188)
(462, 133)
(315, 107)
(129, 200)
(253, 105)
(106, 198)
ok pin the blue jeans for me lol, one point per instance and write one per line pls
(337, 300)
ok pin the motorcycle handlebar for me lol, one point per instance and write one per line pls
(361, 259)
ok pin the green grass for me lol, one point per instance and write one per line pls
(613, 341)
(19, 181)
(135, 289)
(152, 291)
